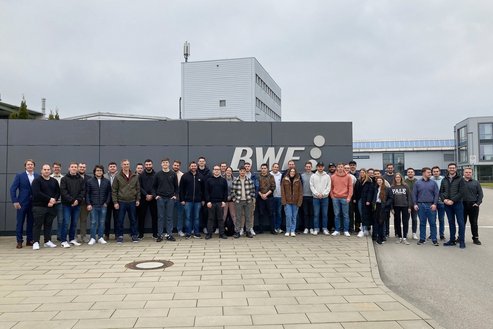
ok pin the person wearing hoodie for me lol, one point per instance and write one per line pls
(147, 199)
(320, 183)
(292, 197)
(276, 199)
(341, 193)
(72, 190)
(451, 193)
(402, 204)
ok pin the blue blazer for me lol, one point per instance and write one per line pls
(20, 190)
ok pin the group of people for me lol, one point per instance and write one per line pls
(347, 200)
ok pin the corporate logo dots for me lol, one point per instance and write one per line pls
(316, 152)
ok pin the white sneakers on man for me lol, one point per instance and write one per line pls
(102, 241)
(305, 231)
(315, 231)
(346, 233)
(65, 244)
(293, 234)
(286, 234)
(50, 244)
(336, 233)
(180, 233)
(36, 246)
(361, 234)
(252, 231)
(326, 231)
(91, 242)
(74, 242)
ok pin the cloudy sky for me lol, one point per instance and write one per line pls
(396, 69)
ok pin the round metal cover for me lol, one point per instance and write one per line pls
(149, 264)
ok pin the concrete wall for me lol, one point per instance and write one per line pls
(95, 142)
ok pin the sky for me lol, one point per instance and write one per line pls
(396, 69)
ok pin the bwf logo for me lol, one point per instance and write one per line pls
(272, 154)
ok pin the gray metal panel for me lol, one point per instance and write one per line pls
(3, 159)
(3, 217)
(144, 133)
(9, 217)
(48, 154)
(53, 132)
(303, 133)
(4, 196)
(140, 153)
(3, 132)
(229, 133)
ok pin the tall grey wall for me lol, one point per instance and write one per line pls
(99, 142)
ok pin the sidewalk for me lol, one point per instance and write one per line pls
(265, 282)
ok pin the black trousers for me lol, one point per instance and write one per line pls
(473, 213)
(142, 214)
(330, 216)
(401, 214)
(307, 213)
(111, 213)
(265, 212)
(215, 215)
(43, 217)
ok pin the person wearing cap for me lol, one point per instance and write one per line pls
(320, 184)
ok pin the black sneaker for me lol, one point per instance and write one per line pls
(379, 241)
(223, 236)
(187, 236)
(197, 236)
(420, 242)
(208, 236)
(249, 234)
(170, 238)
(236, 235)
(155, 237)
(429, 238)
(449, 243)
(476, 242)
(159, 239)
(435, 243)
(141, 236)
(442, 237)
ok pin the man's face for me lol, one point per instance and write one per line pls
(201, 162)
(308, 167)
(57, 169)
(275, 168)
(468, 174)
(320, 169)
(248, 167)
(377, 173)
(82, 168)
(126, 165)
(242, 173)
(452, 169)
(340, 168)
(176, 166)
(264, 170)
(427, 174)
(112, 169)
(29, 166)
(332, 169)
(223, 167)
(353, 167)
(148, 166)
(72, 169)
(216, 171)
(139, 169)
(436, 172)
(46, 171)
(390, 169)
(165, 165)
(370, 173)
(347, 169)
(291, 164)
(410, 174)
(98, 172)
(193, 167)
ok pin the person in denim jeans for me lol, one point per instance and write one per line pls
(165, 191)
(72, 189)
(191, 195)
(57, 174)
(276, 199)
(179, 211)
(98, 196)
(341, 193)
(320, 184)
(451, 193)
(425, 197)
(440, 206)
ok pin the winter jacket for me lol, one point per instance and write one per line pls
(192, 187)
(452, 188)
(236, 190)
(72, 187)
(266, 183)
(126, 189)
(364, 191)
(292, 191)
(98, 194)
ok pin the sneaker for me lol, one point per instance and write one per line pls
(326, 232)
(241, 232)
(415, 237)
(85, 239)
(74, 242)
(280, 231)
(252, 232)
(315, 232)
(170, 238)
(102, 241)
(420, 242)
(135, 239)
(223, 236)
(333, 234)
(180, 233)
(305, 231)
(216, 231)
(141, 236)
(159, 239)
(236, 235)
(442, 237)
(361, 234)
(401, 240)
(435, 243)
(155, 237)
(49, 244)
(449, 243)
(36, 246)
(405, 242)
(249, 234)
(187, 236)
(197, 236)
(287, 234)
(380, 241)
(476, 242)
(311, 231)
(208, 236)
(91, 242)
(293, 234)
(119, 239)
(205, 230)
(65, 244)
(347, 233)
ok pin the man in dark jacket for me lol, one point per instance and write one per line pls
(98, 197)
(473, 197)
(191, 196)
(216, 196)
(72, 189)
(165, 190)
(147, 199)
(451, 193)
(84, 214)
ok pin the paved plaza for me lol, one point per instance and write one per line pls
(265, 282)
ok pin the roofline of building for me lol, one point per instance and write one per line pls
(14, 108)
(117, 115)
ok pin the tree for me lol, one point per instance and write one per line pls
(57, 117)
(22, 113)
(51, 116)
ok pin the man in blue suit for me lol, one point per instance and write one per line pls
(21, 196)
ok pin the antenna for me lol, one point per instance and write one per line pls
(186, 50)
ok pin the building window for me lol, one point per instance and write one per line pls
(486, 152)
(397, 159)
(462, 152)
(222, 103)
(486, 131)
(462, 136)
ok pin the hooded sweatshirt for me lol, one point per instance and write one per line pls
(320, 183)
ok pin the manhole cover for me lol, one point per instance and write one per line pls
(149, 264)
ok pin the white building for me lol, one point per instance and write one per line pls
(229, 88)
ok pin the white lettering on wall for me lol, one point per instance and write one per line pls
(268, 157)
(244, 154)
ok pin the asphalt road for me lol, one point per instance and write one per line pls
(453, 286)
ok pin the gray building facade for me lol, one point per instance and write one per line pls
(99, 142)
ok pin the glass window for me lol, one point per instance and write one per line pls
(462, 136)
(222, 103)
(486, 152)
(485, 131)
(463, 154)
(397, 159)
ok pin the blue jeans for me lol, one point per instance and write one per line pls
(180, 213)
(426, 214)
(276, 212)
(441, 218)
(291, 211)
(131, 210)
(26, 211)
(320, 206)
(341, 212)
(456, 211)
(192, 217)
(59, 220)
(70, 218)
(98, 220)
(165, 207)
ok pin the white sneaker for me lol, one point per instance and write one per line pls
(180, 233)
(361, 234)
(346, 233)
(311, 231)
(315, 232)
(91, 242)
(252, 231)
(305, 231)
(399, 241)
(335, 233)
(326, 232)
(74, 242)
(280, 231)
(50, 244)
(36, 246)
(241, 231)
(415, 237)
(205, 230)
(65, 244)
(287, 234)
(216, 231)
(102, 241)
(405, 242)
(293, 234)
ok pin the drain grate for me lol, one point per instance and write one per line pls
(149, 264)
